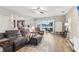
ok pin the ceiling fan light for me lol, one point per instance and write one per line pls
(42, 12)
(37, 12)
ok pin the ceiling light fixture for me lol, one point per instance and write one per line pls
(39, 10)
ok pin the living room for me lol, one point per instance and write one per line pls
(38, 28)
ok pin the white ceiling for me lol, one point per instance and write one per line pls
(49, 10)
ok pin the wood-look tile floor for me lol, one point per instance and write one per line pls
(49, 43)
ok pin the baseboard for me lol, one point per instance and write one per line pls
(71, 45)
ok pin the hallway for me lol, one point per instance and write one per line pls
(49, 43)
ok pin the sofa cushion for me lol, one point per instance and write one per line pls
(13, 33)
(18, 39)
(35, 40)
(24, 31)
(1, 35)
(18, 43)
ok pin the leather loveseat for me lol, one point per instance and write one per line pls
(5, 43)
(35, 40)
(18, 40)
(12, 40)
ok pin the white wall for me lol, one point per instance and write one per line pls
(7, 17)
(74, 37)
(30, 22)
(60, 19)
(74, 17)
(4, 23)
(5, 20)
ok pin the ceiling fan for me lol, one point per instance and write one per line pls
(39, 10)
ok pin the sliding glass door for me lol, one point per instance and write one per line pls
(46, 25)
